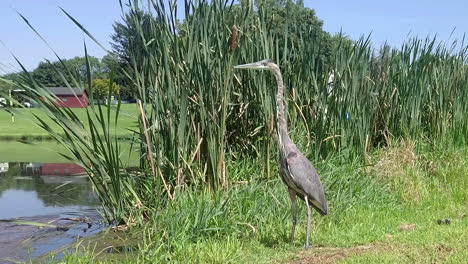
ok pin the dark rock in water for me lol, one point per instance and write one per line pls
(24, 243)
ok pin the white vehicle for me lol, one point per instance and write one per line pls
(4, 167)
(3, 102)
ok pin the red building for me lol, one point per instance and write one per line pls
(61, 169)
(70, 97)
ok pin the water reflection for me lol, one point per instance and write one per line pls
(40, 169)
(32, 189)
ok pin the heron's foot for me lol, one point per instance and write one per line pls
(307, 246)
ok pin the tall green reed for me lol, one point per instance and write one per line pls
(196, 113)
(200, 112)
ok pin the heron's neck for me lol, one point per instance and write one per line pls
(280, 117)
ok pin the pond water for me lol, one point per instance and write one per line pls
(32, 189)
(56, 194)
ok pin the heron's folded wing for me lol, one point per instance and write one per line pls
(306, 178)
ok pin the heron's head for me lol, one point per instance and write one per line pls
(259, 65)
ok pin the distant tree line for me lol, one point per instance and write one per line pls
(127, 45)
(59, 73)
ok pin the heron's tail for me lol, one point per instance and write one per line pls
(321, 207)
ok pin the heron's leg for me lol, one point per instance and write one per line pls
(308, 222)
(292, 196)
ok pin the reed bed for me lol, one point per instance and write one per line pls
(203, 112)
(197, 113)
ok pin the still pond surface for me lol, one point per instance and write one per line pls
(58, 194)
(33, 189)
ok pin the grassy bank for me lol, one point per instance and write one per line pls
(384, 212)
(207, 191)
(24, 126)
(199, 113)
(49, 152)
(40, 151)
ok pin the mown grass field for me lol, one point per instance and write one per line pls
(39, 151)
(384, 211)
(24, 126)
(48, 151)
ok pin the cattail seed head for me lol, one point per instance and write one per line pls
(233, 38)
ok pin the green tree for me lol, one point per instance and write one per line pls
(113, 69)
(47, 72)
(284, 19)
(5, 83)
(128, 43)
(10, 82)
(5, 86)
(287, 20)
(78, 66)
(102, 87)
(292, 21)
(109, 63)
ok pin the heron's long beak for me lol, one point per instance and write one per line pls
(255, 65)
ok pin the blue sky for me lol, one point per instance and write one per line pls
(390, 21)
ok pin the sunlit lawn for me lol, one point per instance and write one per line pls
(40, 148)
(24, 127)
(49, 151)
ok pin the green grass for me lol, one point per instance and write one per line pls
(24, 126)
(48, 151)
(201, 115)
(40, 151)
(250, 223)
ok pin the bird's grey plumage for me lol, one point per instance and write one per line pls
(300, 175)
(297, 171)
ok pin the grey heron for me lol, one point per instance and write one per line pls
(297, 172)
